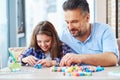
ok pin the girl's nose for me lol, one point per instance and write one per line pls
(42, 44)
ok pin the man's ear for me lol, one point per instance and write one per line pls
(88, 17)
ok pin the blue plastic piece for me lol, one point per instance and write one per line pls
(99, 68)
(38, 66)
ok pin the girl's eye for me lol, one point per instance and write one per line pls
(46, 41)
(39, 41)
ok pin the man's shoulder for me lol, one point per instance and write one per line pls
(99, 29)
(100, 25)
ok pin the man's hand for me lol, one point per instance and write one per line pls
(70, 58)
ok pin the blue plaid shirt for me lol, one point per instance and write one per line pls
(39, 54)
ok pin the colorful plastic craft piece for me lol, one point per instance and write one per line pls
(38, 66)
(15, 66)
(77, 70)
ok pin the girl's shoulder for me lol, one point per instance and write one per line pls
(65, 46)
(32, 49)
(67, 49)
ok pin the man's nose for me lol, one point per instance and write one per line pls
(70, 26)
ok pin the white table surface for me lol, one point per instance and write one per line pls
(30, 73)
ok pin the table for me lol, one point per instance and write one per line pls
(30, 73)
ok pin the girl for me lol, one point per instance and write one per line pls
(45, 47)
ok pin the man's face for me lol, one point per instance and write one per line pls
(77, 24)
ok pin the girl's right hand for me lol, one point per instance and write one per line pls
(31, 60)
(46, 63)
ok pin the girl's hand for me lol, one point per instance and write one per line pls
(31, 60)
(46, 63)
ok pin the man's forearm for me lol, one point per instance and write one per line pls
(103, 59)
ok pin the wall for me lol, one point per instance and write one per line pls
(100, 11)
(3, 33)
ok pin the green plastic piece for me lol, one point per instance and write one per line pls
(15, 66)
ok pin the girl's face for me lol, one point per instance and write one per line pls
(44, 42)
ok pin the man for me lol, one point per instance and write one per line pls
(93, 44)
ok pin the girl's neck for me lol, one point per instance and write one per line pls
(47, 52)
